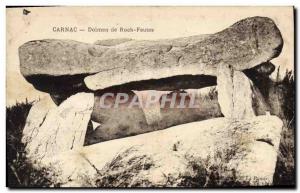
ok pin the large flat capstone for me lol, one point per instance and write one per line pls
(66, 65)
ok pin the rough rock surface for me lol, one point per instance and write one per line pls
(245, 44)
(233, 150)
(235, 94)
(50, 129)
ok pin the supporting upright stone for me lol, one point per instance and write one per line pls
(234, 93)
(58, 129)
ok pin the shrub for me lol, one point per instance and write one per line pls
(285, 167)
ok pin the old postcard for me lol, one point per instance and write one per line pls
(151, 97)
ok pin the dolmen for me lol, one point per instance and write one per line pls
(168, 100)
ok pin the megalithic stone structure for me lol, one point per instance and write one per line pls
(77, 74)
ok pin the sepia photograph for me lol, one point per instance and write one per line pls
(150, 97)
